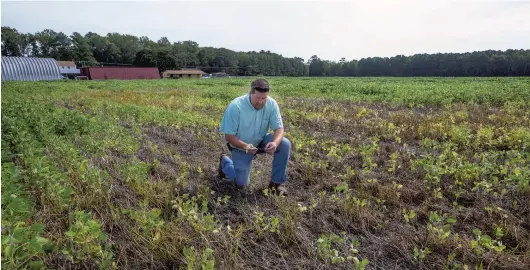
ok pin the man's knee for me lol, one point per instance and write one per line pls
(285, 145)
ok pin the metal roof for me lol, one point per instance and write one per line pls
(66, 63)
(29, 69)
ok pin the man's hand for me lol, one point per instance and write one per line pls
(251, 149)
(270, 148)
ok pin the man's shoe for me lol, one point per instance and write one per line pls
(278, 189)
(220, 173)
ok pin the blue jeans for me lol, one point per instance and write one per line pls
(237, 169)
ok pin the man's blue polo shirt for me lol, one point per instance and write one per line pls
(247, 123)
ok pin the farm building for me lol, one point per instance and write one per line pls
(68, 69)
(183, 73)
(120, 73)
(29, 69)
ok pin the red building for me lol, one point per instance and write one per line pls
(120, 73)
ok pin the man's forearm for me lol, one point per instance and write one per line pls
(235, 141)
(278, 136)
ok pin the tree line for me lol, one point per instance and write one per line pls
(123, 49)
(480, 63)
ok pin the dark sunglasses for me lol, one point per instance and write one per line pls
(261, 89)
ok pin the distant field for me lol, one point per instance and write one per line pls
(385, 173)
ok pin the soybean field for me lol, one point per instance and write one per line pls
(385, 173)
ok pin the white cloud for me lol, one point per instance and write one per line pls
(330, 29)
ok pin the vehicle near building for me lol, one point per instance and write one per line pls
(68, 69)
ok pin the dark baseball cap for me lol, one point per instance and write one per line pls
(260, 85)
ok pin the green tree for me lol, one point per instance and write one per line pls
(316, 66)
(64, 50)
(164, 60)
(127, 45)
(102, 49)
(81, 50)
(11, 41)
(48, 43)
(145, 58)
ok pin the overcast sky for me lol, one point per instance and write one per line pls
(329, 29)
